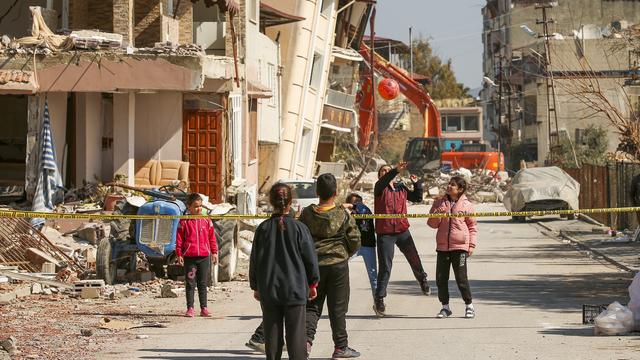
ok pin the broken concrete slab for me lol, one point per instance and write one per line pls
(90, 293)
(34, 278)
(38, 257)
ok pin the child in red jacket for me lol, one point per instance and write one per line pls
(197, 250)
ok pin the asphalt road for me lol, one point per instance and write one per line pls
(528, 293)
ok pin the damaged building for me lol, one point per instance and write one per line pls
(585, 45)
(158, 91)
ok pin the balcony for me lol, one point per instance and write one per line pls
(340, 100)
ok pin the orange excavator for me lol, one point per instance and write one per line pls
(425, 152)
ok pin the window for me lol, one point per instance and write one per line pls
(454, 123)
(471, 123)
(253, 129)
(326, 7)
(316, 71)
(252, 10)
(170, 8)
(305, 146)
(236, 134)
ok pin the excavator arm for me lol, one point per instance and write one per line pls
(411, 89)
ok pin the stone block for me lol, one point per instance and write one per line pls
(90, 293)
(36, 289)
(49, 268)
(6, 298)
(22, 291)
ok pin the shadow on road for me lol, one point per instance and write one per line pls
(198, 354)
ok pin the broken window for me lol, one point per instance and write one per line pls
(316, 71)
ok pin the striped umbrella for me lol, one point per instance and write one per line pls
(48, 191)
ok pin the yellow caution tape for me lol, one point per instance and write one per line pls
(34, 214)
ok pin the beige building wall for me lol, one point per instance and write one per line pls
(158, 126)
(306, 54)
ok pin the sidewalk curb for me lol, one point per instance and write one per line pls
(582, 246)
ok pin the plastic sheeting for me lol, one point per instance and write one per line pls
(540, 184)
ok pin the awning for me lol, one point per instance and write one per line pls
(346, 54)
(258, 91)
(270, 16)
(335, 128)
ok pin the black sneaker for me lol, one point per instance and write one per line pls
(379, 308)
(424, 286)
(256, 345)
(344, 353)
(444, 313)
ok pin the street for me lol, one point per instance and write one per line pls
(528, 292)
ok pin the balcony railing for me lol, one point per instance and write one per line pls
(340, 100)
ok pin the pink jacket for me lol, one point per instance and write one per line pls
(196, 237)
(454, 233)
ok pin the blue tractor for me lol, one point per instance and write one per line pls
(156, 238)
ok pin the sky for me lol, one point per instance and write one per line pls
(454, 28)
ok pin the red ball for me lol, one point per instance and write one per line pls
(388, 89)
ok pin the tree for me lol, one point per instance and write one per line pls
(444, 84)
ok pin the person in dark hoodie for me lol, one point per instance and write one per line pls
(284, 275)
(337, 238)
(355, 203)
(391, 198)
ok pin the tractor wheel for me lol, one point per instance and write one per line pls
(158, 269)
(105, 269)
(227, 249)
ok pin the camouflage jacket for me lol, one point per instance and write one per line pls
(335, 233)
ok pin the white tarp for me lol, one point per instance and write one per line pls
(545, 183)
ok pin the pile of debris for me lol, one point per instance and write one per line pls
(483, 186)
(168, 48)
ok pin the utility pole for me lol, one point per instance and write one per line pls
(552, 114)
(411, 50)
(500, 78)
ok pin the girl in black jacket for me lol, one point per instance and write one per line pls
(284, 274)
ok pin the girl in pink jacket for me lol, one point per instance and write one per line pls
(197, 251)
(456, 241)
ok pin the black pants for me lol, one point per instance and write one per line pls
(196, 272)
(334, 287)
(458, 260)
(294, 323)
(386, 247)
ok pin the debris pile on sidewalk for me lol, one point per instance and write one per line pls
(483, 186)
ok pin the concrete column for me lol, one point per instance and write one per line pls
(88, 138)
(124, 116)
(123, 19)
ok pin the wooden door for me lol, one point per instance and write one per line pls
(202, 145)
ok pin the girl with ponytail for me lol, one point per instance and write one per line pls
(283, 242)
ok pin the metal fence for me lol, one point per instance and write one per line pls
(605, 187)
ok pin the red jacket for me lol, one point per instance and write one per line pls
(458, 233)
(393, 201)
(196, 237)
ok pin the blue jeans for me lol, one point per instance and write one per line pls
(370, 263)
